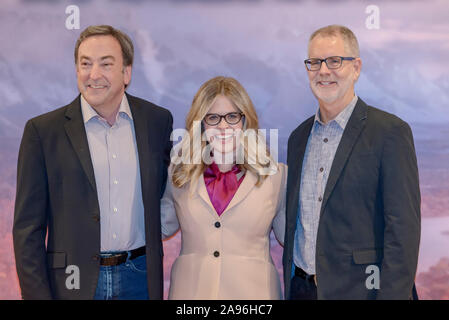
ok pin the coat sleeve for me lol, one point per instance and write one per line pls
(169, 219)
(279, 219)
(401, 199)
(30, 217)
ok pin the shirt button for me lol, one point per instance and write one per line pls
(115, 209)
(217, 224)
(321, 169)
(115, 182)
(325, 140)
(114, 236)
(114, 156)
(216, 254)
(320, 199)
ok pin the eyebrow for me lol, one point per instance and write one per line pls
(102, 58)
(107, 57)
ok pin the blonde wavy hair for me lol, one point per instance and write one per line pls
(187, 171)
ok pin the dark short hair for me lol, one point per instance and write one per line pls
(105, 30)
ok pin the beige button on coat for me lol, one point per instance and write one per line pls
(231, 261)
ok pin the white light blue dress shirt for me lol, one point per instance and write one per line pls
(115, 162)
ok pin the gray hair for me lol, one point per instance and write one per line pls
(349, 38)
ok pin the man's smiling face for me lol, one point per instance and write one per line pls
(332, 86)
(100, 72)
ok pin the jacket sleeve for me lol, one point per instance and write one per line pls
(169, 219)
(279, 219)
(30, 217)
(401, 199)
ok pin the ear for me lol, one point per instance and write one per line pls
(127, 71)
(357, 68)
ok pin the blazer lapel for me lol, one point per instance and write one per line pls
(145, 129)
(142, 132)
(77, 135)
(352, 131)
(248, 183)
(295, 161)
(202, 192)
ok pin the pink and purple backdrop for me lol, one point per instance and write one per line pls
(181, 43)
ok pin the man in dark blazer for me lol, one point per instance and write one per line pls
(90, 177)
(353, 199)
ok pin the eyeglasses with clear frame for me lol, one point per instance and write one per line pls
(335, 62)
(231, 118)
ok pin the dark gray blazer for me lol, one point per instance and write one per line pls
(370, 214)
(57, 197)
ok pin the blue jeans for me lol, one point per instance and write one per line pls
(127, 281)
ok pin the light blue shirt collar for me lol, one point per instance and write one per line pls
(343, 117)
(89, 112)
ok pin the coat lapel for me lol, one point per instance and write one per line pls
(295, 161)
(350, 135)
(248, 183)
(77, 135)
(202, 192)
(142, 132)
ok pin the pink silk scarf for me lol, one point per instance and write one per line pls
(221, 186)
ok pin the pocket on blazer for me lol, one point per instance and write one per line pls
(56, 260)
(367, 256)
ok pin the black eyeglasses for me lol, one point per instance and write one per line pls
(314, 64)
(214, 119)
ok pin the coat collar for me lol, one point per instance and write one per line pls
(76, 132)
(355, 125)
(351, 133)
(297, 149)
(88, 112)
(248, 183)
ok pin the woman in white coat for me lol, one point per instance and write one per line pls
(226, 193)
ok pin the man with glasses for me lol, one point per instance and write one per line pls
(353, 200)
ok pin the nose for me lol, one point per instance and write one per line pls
(324, 69)
(223, 124)
(95, 72)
